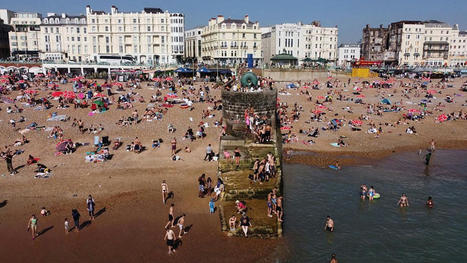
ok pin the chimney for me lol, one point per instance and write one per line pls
(247, 19)
(113, 10)
(220, 19)
(63, 15)
(88, 10)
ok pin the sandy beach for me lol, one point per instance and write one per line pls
(131, 227)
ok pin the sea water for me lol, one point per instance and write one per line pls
(378, 230)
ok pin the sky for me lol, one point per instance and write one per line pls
(349, 15)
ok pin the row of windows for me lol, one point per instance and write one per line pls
(138, 21)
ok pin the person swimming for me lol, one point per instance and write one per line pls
(429, 202)
(363, 191)
(403, 201)
(329, 224)
(371, 193)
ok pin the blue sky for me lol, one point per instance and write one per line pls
(349, 15)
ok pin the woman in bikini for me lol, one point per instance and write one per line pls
(32, 224)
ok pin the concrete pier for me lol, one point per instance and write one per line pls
(238, 186)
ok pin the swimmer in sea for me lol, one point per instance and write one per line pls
(337, 165)
(363, 191)
(429, 202)
(371, 193)
(403, 201)
(329, 224)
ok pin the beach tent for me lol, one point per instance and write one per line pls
(291, 86)
(442, 117)
(204, 70)
(386, 101)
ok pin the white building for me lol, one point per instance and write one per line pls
(193, 41)
(64, 37)
(24, 39)
(230, 41)
(6, 15)
(151, 36)
(347, 53)
(458, 50)
(301, 41)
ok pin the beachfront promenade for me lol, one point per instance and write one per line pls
(238, 185)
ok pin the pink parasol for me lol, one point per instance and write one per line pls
(357, 122)
(431, 91)
(414, 111)
(320, 97)
(317, 112)
(442, 117)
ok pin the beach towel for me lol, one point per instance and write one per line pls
(57, 118)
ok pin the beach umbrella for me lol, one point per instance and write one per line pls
(431, 91)
(4, 80)
(317, 112)
(100, 95)
(361, 96)
(117, 84)
(21, 81)
(305, 87)
(169, 78)
(57, 94)
(357, 122)
(156, 79)
(322, 107)
(30, 91)
(442, 117)
(320, 97)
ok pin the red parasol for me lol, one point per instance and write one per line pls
(99, 95)
(320, 97)
(442, 117)
(57, 94)
(431, 91)
(357, 122)
(361, 96)
(414, 111)
(317, 112)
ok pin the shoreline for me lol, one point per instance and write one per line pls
(322, 159)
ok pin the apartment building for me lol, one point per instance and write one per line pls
(193, 41)
(301, 41)
(415, 43)
(64, 37)
(151, 36)
(24, 39)
(347, 53)
(230, 41)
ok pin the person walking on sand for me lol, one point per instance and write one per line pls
(90, 205)
(212, 206)
(180, 222)
(75, 214)
(8, 156)
(174, 145)
(67, 226)
(432, 145)
(165, 191)
(170, 237)
(32, 225)
(171, 216)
